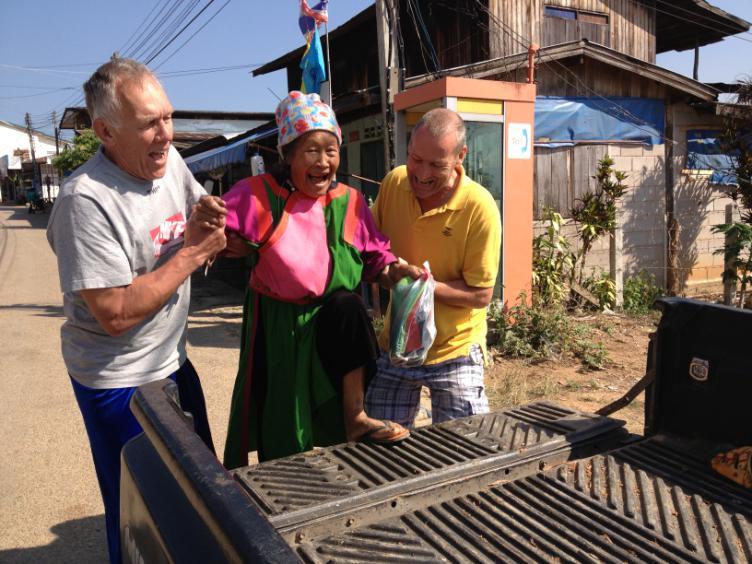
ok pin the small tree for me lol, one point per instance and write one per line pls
(736, 142)
(596, 212)
(737, 254)
(552, 261)
(84, 147)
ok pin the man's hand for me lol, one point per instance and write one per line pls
(204, 239)
(119, 309)
(396, 271)
(210, 212)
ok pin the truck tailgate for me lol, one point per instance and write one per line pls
(357, 502)
(646, 502)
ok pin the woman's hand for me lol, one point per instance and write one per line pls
(396, 271)
(236, 246)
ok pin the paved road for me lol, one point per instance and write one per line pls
(50, 508)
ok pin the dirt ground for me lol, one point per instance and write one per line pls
(564, 380)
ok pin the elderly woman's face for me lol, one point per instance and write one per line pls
(313, 162)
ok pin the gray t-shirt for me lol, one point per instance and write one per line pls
(106, 228)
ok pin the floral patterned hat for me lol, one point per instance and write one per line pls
(300, 113)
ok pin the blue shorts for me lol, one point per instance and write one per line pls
(110, 424)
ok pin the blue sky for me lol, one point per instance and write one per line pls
(58, 45)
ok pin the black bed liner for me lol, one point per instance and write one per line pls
(646, 502)
(536, 483)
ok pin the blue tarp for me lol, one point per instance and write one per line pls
(569, 120)
(218, 157)
(704, 153)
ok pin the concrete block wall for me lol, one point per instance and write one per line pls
(698, 207)
(641, 214)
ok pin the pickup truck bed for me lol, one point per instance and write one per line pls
(534, 483)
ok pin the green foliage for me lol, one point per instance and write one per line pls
(737, 250)
(84, 147)
(531, 331)
(737, 253)
(640, 292)
(545, 331)
(595, 213)
(602, 287)
(552, 261)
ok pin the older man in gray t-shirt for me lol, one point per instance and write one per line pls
(127, 242)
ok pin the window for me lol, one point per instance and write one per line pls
(564, 25)
(562, 13)
(371, 166)
(706, 157)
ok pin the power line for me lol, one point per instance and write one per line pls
(158, 41)
(40, 69)
(151, 31)
(423, 49)
(693, 21)
(194, 34)
(624, 112)
(34, 95)
(710, 19)
(127, 43)
(150, 59)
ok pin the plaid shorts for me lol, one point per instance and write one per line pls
(456, 389)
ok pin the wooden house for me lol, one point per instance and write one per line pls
(595, 55)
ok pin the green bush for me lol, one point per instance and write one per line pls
(541, 332)
(553, 261)
(640, 292)
(602, 287)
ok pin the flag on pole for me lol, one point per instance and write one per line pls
(312, 65)
(311, 18)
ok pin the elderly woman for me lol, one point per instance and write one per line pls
(308, 348)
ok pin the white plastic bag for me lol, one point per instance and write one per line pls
(412, 328)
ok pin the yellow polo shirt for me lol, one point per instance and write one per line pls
(460, 240)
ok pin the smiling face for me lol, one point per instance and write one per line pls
(140, 140)
(433, 167)
(313, 160)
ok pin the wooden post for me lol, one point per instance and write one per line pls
(616, 262)
(672, 225)
(696, 69)
(729, 286)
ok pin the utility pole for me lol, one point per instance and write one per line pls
(389, 81)
(57, 132)
(36, 181)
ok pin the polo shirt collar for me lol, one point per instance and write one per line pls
(458, 199)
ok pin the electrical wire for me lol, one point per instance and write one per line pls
(35, 95)
(150, 59)
(169, 30)
(152, 30)
(207, 22)
(127, 43)
(695, 17)
(620, 110)
(424, 51)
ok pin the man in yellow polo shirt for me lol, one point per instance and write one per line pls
(432, 211)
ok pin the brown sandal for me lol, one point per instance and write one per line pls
(397, 434)
(735, 465)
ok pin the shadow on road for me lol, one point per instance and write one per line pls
(42, 310)
(20, 213)
(80, 540)
(215, 334)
